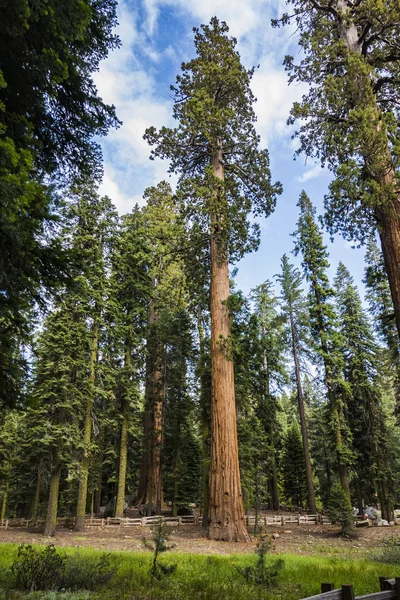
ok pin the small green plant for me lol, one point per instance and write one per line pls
(340, 510)
(159, 545)
(260, 573)
(38, 569)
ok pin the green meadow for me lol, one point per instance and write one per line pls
(208, 577)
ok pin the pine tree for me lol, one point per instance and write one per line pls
(215, 150)
(129, 290)
(92, 238)
(294, 467)
(323, 322)
(272, 365)
(364, 407)
(350, 115)
(163, 230)
(294, 307)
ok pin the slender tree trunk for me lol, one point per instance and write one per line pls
(123, 447)
(205, 425)
(303, 423)
(52, 507)
(33, 513)
(87, 434)
(4, 502)
(226, 513)
(274, 482)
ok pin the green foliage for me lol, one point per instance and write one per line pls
(260, 573)
(293, 468)
(390, 553)
(46, 569)
(349, 117)
(213, 108)
(340, 510)
(38, 569)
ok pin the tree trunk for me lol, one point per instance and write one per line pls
(123, 447)
(386, 505)
(274, 483)
(4, 502)
(51, 518)
(87, 434)
(150, 481)
(226, 503)
(303, 424)
(33, 513)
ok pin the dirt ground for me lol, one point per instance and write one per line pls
(320, 540)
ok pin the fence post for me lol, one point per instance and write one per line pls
(382, 583)
(397, 588)
(327, 587)
(282, 520)
(348, 592)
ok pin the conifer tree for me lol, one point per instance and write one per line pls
(130, 289)
(381, 307)
(215, 150)
(162, 228)
(350, 115)
(364, 406)
(295, 309)
(323, 322)
(271, 349)
(92, 239)
(293, 467)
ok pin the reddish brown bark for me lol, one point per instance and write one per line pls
(226, 514)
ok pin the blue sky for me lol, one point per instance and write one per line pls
(156, 37)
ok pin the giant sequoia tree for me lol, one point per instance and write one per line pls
(224, 176)
(351, 115)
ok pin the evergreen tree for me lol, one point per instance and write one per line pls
(225, 176)
(381, 307)
(323, 322)
(50, 114)
(271, 357)
(350, 115)
(364, 408)
(294, 467)
(295, 309)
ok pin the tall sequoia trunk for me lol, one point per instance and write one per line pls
(226, 514)
(87, 434)
(52, 507)
(150, 481)
(303, 423)
(204, 425)
(123, 446)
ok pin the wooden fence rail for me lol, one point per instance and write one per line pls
(390, 590)
(265, 520)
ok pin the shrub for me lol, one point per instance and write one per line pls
(260, 573)
(390, 553)
(36, 569)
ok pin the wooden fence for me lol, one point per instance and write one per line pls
(263, 520)
(390, 590)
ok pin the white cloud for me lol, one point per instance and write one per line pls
(312, 173)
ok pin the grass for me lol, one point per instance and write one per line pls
(202, 577)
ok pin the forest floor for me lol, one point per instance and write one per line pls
(320, 540)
